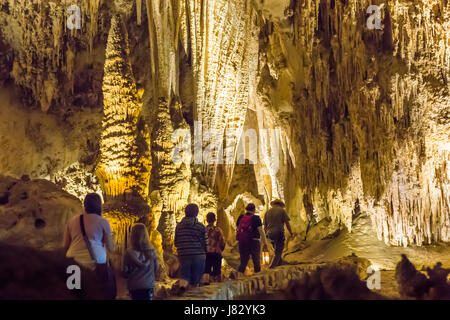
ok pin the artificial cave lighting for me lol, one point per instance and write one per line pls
(338, 109)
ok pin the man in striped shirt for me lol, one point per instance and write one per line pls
(191, 242)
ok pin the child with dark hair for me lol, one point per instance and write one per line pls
(216, 245)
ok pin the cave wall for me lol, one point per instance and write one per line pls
(367, 112)
(346, 118)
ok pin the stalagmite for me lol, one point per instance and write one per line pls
(344, 120)
(171, 180)
(124, 167)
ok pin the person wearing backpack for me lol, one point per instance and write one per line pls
(216, 245)
(140, 264)
(249, 233)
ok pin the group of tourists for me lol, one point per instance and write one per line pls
(199, 248)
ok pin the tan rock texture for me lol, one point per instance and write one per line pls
(348, 119)
(34, 213)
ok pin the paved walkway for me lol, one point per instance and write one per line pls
(272, 279)
(265, 281)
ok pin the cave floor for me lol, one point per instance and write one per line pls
(363, 242)
(389, 286)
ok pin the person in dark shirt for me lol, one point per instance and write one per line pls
(191, 243)
(249, 235)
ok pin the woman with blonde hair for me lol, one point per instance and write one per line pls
(140, 264)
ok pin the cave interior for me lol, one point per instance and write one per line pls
(341, 109)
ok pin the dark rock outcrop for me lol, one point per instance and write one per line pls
(43, 279)
(414, 284)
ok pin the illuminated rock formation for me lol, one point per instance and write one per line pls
(33, 213)
(364, 112)
(220, 37)
(124, 167)
(172, 180)
(346, 118)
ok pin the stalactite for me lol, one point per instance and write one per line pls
(162, 33)
(220, 34)
(91, 8)
(371, 107)
(44, 46)
(139, 11)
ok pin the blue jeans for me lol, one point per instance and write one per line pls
(192, 268)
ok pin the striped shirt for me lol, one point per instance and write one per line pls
(190, 237)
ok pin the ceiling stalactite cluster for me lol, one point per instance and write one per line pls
(221, 38)
(346, 118)
(46, 51)
(370, 99)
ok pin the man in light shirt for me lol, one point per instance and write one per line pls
(274, 221)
